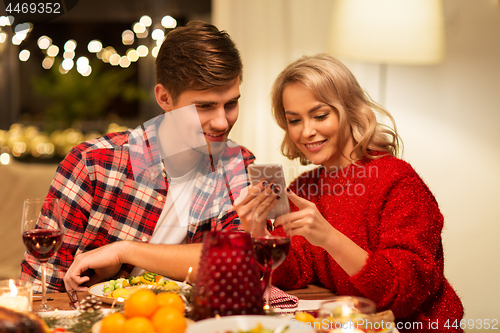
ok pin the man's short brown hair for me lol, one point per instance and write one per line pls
(197, 56)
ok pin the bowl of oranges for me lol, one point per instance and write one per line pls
(145, 312)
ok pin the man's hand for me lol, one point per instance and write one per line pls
(253, 205)
(105, 261)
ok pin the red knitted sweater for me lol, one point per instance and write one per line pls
(384, 207)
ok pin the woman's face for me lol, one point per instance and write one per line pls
(314, 127)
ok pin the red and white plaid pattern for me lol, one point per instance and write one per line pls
(281, 299)
(104, 199)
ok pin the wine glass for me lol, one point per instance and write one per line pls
(42, 233)
(271, 251)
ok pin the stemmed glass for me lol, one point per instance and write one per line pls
(42, 233)
(270, 251)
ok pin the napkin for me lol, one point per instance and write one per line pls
(280, 299)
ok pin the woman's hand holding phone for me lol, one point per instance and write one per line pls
(259, 201)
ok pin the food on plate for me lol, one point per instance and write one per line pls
(145, 311)
(13, 321)
(123, 293)
(117, 288)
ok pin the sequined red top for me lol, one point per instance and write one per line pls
(384, 207)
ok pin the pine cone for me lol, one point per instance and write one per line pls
(90, 304)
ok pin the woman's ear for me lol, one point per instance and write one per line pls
(163, 98)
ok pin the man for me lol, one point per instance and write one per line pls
(117, 192)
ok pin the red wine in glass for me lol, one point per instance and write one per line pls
(271, 250)
(42, 231)
(42, 243)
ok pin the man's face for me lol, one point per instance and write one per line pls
(217, 110)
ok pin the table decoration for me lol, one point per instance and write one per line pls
(16, 295)
(228, 277)
(351, 314)
(76, 321)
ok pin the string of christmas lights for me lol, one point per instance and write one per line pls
(140, 30)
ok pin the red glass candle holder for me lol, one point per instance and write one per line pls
(228, 277)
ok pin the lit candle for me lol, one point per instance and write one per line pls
(14, 301)
(348, 326)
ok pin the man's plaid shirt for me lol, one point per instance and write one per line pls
(114, 188)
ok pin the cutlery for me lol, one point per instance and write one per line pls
(73, 297)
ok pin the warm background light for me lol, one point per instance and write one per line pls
(44, 42)
(168, 22)
(142, 50)
(158, 34)
(94, 46)
(24, 55)
(70, 45)
(47, 63)
(53, 50)
(128, 37)
(146, 21)
(388, 31)
(68, 64)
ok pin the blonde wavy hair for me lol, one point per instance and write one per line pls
(333, 84)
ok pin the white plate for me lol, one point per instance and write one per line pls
(235, 323)
(96, 290)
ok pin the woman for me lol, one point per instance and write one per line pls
(364, 223)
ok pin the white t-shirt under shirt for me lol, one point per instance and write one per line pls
(172, 224)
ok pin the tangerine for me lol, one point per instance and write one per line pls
(170, 300)
(141, 303)
(169, 320)
(114, 323)
(138, 325)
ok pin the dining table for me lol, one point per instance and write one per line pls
(61, 301)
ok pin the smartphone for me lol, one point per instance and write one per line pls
(272, 173)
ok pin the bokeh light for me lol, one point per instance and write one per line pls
(146, 21)
(44, 42)
(158, 34)
(128, 37)
(67, 64)
(52, 51)
(142, 50)
(70, 45)
(139, 28)
(94, 46)
(24, 55)
(47, 63)
(168, 22)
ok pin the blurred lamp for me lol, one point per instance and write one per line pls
(409, 32)
(404, 32)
